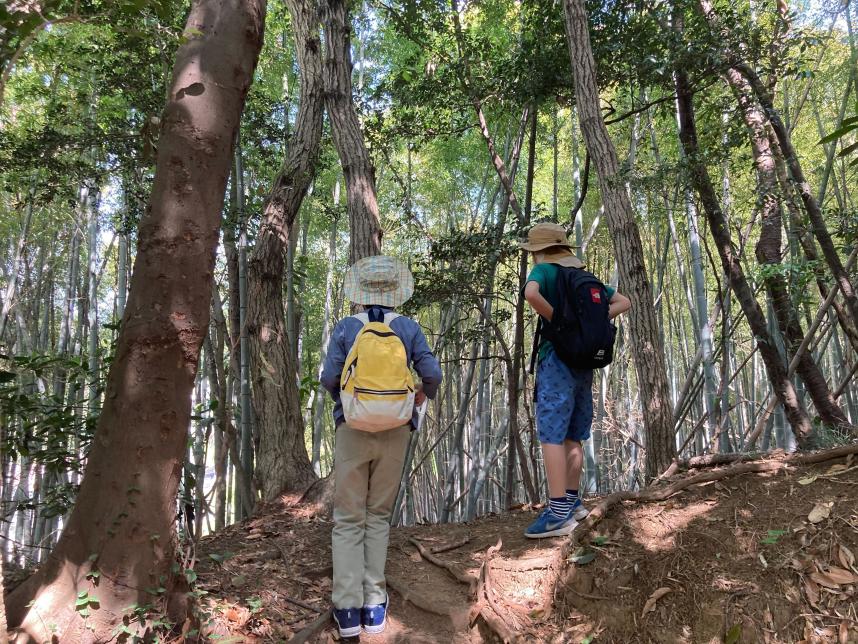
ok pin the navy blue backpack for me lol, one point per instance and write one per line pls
(580, 329)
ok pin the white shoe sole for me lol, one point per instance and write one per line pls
(354, 631)
(559, 532)
(375, 630)
(581, 513)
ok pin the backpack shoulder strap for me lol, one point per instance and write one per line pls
(362, 317)
(390, 316)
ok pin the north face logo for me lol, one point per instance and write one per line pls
(596, 295)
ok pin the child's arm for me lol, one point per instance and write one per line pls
(536, 301)
(334, 361)
(617, 305)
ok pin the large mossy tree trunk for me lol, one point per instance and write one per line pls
(282, 462)
(123, 523)
(643, 322)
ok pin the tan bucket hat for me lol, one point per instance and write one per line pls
(380, 280)
(545, 235)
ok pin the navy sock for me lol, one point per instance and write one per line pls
(571, 496)
(559, 507)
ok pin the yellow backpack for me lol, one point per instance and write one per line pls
(376, 385)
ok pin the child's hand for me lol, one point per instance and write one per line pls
(419, 395)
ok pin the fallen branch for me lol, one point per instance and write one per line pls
(301, 604)
(799, 458)
(654, 494)
(469, 580)
(312, 629)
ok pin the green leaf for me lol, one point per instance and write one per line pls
(582, 557)
(220, 558)
(849, 149)
(6, 376)
(845, 128)
(733, 635)
(190, 575)
(773, 536)
(601, 540)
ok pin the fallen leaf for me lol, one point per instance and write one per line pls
(843, 634)
(842, 576)
(834, 469)
(812, 591)
(650, 603)
(808, 479)
(845, 555)
(820, 512)
(823, 579)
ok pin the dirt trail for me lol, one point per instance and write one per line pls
(752, 558)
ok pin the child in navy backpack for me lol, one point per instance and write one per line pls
(368, 464)
(564, 396)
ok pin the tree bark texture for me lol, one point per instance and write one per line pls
(811, 205)
(768, 251)
(814, 212)
(643, 323)
(123, 522)
(364, 223)
(282, 463)
(720, 229)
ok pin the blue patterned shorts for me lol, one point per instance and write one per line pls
(564, 401)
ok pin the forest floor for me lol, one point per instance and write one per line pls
(752, 557)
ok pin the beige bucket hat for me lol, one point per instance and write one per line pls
(548, 235)
(379, 280)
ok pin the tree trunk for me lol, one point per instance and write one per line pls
(720, 229)
(282, 461)
(768, 251)
(364, 225)
(643, 323)
(123, 522)
(811, 205)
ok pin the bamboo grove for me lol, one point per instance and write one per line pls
(733, 130)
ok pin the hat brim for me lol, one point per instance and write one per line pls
(542, 246)
(354, 292)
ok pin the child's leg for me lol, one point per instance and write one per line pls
(554, 404)
(351, 482)
(554, 458)
(574, 464)
(580, 424)
(385, 475)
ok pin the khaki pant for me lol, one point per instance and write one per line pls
(367, 472)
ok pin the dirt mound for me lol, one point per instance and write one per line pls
(755, 557)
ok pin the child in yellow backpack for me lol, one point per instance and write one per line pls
(368, 374)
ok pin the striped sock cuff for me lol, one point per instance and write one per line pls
(559, 507)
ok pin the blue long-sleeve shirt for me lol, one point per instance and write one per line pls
(419, 355)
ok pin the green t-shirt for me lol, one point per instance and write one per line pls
(546, 276)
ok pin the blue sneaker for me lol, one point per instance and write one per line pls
(373, 617)
(578, 510)
(549, 524)
(348, 621)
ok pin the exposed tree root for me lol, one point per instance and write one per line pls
(664, 492)
(414, 598)
(504, 620)
(469, 580)
(451, 546)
